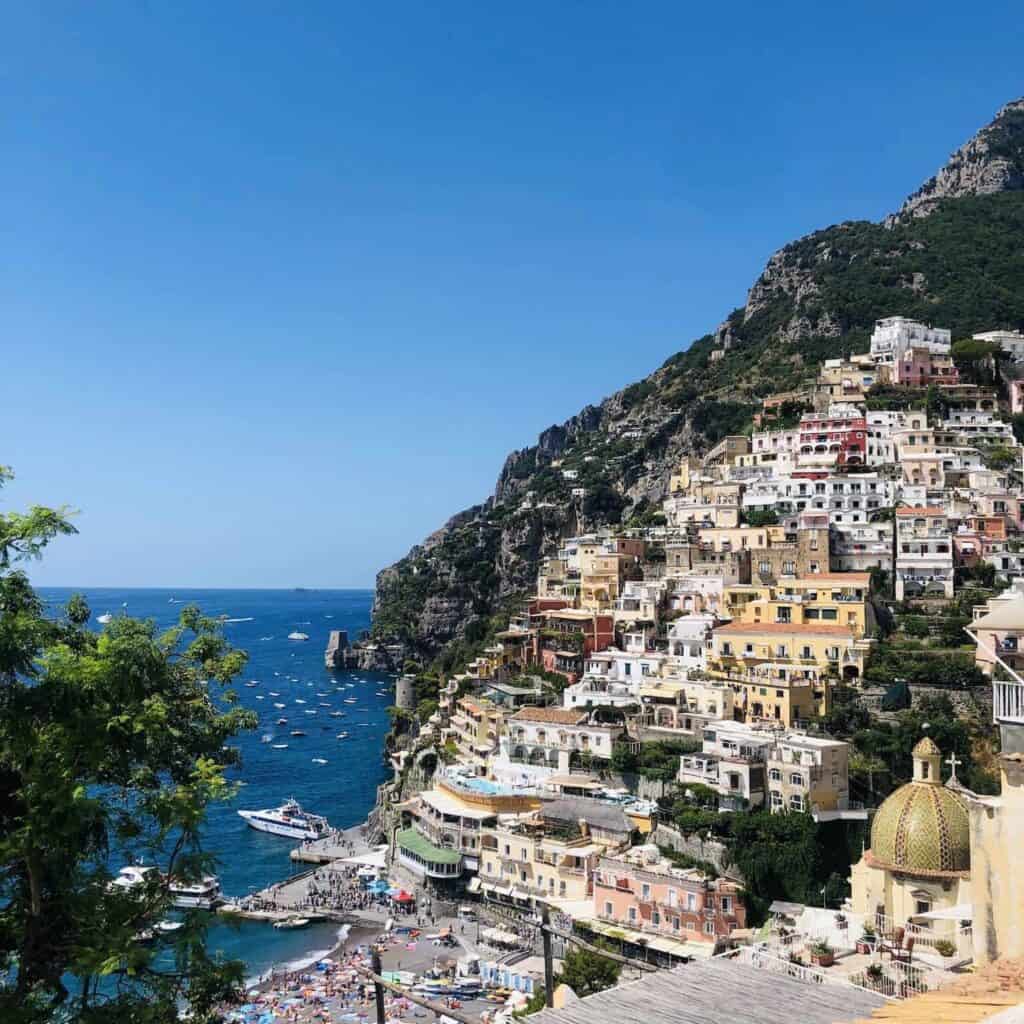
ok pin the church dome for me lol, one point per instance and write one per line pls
(923, 828)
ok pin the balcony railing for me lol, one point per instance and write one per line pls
(1007, 701)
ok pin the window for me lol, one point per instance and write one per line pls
(774, 774)
(796, 779)
(727, 648)
(775, 798)
(675, 924)
(632, 914)
(829, 613)
(607, 909)
(655, 917)
(726, 904)
(796, 802)
(691, 901)
(789, 568)
(924, 906)
(781, 651)
(807, 653)
(645, 891)
(709, 927)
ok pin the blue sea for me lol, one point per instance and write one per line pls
(344, 789)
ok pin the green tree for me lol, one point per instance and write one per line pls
(586, 973)
(111, 746)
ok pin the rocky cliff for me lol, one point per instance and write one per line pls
(991, 162)
(951, 256)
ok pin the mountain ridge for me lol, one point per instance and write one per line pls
(949, 255)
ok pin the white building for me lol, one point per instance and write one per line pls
(688, 638)
(1011, 342)
(894, 336)
(860, 547)
(847, 498)
(540, 741)
(924, 553)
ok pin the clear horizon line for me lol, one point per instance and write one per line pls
(109, 586)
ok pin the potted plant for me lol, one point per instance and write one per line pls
(822, 954)
(873, 974)
(946, 948)
(866, 942)
(841, 922)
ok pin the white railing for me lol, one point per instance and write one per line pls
(765, 961)
(1007, 701)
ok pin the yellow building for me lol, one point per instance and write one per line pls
(476, 727)
(919, 863)
(784, 672)
(835, 599)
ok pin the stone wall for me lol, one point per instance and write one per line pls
(710, 850)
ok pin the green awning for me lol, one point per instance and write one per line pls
(413, 841)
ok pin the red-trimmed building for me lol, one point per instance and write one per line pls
(836, 438)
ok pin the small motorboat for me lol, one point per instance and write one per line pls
(299, 700)
(291, 922)
(297, 636)
(280, 746)
(298, 732)
(319, 760)
(337, 714)
(251, 683)
(324, 704)
(259, 696)
(280, 707)
(341, 736)
(351, 700)
(282, 721)
(310, 711)
(274, 693)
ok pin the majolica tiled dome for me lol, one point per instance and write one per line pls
(923, 828)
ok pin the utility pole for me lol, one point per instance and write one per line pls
(549, 967)
(378, 988)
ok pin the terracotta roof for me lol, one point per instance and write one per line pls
(784, 627)
(927, 510)
(556, 716)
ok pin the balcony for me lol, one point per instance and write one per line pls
(1007, 702)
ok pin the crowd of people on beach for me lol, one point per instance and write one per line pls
(332, 990)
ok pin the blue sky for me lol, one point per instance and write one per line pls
(282, 284)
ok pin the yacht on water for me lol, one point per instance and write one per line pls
(104, 619)
(298, 636)
(287, 820)
(204, 894)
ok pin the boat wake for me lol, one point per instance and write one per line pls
(247, 618)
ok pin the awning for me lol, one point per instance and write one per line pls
(660, 943)
(961, 912)
(474, 885)
(377, 859)
(498, 890)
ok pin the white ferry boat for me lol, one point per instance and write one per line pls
(204, 895)
(287, 820)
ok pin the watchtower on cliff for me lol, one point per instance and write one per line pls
(405, 692)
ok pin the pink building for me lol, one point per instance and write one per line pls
(1016, 396)
(919, 367)
(642, 892)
